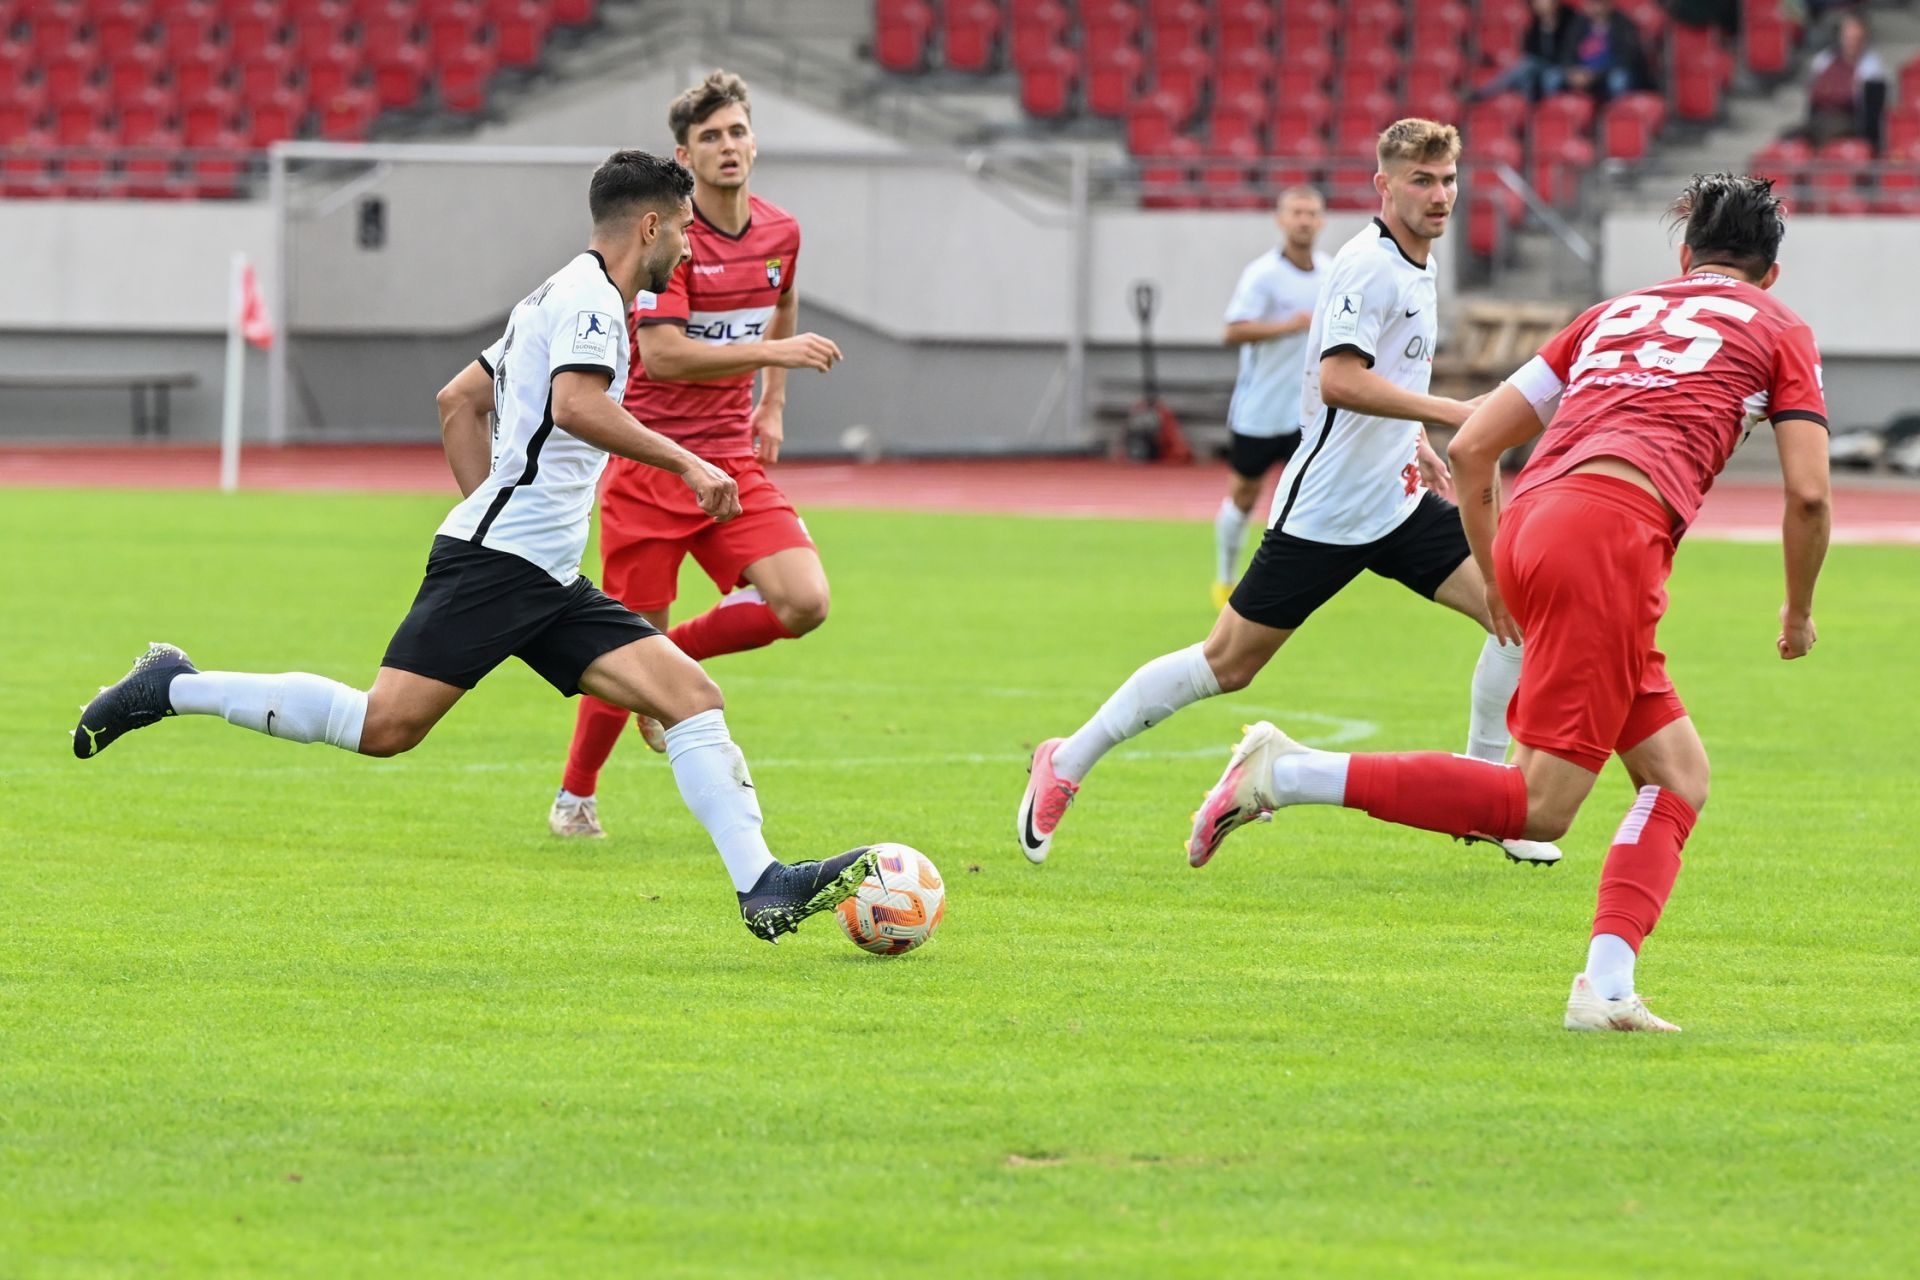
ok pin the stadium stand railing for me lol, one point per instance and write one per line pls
(168, 99)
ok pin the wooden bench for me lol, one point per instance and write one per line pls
(150, 416)
(1489, 340)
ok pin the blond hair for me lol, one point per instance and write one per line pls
(719, 89)
(1300, 191)
(1420, 141)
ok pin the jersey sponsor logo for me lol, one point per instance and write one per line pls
(773, 272)
(1343, 316)
(747, 324)
(709, 268)
(592, 331)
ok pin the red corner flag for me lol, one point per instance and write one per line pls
(256, 326)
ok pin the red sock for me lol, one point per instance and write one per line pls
(1642, 865)
(729, 628)
(1439, 792)
(596, 729)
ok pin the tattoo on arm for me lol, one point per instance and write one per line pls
(1486, 496)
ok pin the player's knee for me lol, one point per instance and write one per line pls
(386, 737)
(1232, 676)
(1548, 819)
(804, 611)
(1690, 784)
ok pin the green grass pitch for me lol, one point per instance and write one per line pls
(271, 1010)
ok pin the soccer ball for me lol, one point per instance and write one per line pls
(897, 907)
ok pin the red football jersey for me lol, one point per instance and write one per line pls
(1671, 379)
(723, 294)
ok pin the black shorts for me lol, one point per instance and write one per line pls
(1291, 577)
(478, 607)
(1253, 456)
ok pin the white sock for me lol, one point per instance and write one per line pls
(294, 705)
(1311, 777)
(567, 797)
(1610, 966)
(1149, 696)
(1229, 534)
(1495, 677)
(713, 780)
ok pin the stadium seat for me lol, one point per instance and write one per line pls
(1108, 25)
(1359, 120)
(1234, 121)
(70, 70)
(1903, 128)
(121, 27)
(1558, 166)
(1307, 24)
(1307, 115)
(349, 114)
(1707, 69)
(79, 118)
(1367, 71)
(1113, 80)
(1839, 167)
(452, 31)
(574, 13)
(1303, 69)
(1501, 116)
(208, 118)
(1440, 25)
(1166, 177)
(1434, 69)
(26, 169)
(1629, 125)
(1498, 32)
(520, 33)
(1898, 189)
(1185, 74)
(970, 34)
(1910, 83)
(398, 75)
(270, 69)
(321, 26)
(463, 87)
(216, 171)
(134, 69)
(1349, 183)
(21, 110)
(189, 28)
(900, 34)
(329, 71)
(50, 28)
(274, 117)
(1047, 84)
(1433, 104)
(87, 170)
(1177, 25)
(1297, 159)
(1244, 24)
(1767, 39)
(1486, 224)
(196, 72)
(1036, 29)
(1242, 70)
(1153, 122)
(142, 117)
(17, 64)
(385, 27)
(257, 25)
(1560, 117)
(1371, 24)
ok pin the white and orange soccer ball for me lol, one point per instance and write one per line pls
(897, 907)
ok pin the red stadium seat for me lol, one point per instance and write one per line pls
(1903, 128)
(1438, 24)
(270, 70)
(22, 110)
(1153, 122)
(189, 28)
(217, 172)
(135, 69)
(1349, 184)
(1113, 80)
(1767, 39)
(274, 117)
(1358, 122)
(256, 26)
(1707, 68)
(1307, 115)
(1307, 24)
(26, 168)
(17, 64)
(1501, 116)
(1037, 28)
(452, 30)
(349, 114)
(971, 34)
(71, 70)
(1108, 25)
(51, 28)
(1498, 33)
(463, 83)
(1245, 24)
(1371, 24)
(144, 116)
(398, 75)
(1370, 71)
(1629, 124)
(1047, 84)
(1558, 166)
(1176, 25)
(329, 71)
(520, 33)
(89, 175)
(1166, 177)
(1839, 168)
(1435, 104)
(1899, 182)
(152, 172)
(1910, 83)
(208, 117)
(1434, 69)
(1185, 74)
(1298, 159)
(196, 72)
(121, 27)
(1237, 120)
(79, 118)
(1242, 70)
(385, 27)
(574, 13)
(321, 26)
(900, 35)
(1560, 117)
(1486, 224)
(1303, 69)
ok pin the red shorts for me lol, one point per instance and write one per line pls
(650, 522)
(1582, 564)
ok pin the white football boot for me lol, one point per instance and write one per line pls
(1586, 1011)
(579, 818)
(1244, 793)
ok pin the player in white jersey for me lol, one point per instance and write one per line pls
(1366, 491)
(1267, 319)
(503, 579)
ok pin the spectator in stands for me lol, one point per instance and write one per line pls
(1603, 55)
(1847, 95)
(1542, 50)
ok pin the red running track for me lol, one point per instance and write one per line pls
(1865, 510)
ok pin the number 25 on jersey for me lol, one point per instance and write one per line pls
(1614, 329)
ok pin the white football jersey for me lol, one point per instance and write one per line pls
(1266, 396)
(537, 502)
(1354, 478)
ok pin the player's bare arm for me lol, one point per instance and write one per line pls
(581, 408)
(1805, 527)
(769, 415)
(465, 433)
(1502, 420)
(1347, 383)
(669, 353)
(1240, 332)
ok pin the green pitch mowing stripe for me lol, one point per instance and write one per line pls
(270, 1010)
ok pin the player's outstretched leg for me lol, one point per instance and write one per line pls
(134, 701)
(1244, 793)
(1150, 695)
(1495, 677)
(787, 893)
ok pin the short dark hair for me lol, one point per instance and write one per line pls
(1732, 220)
(628, 180)
(719, 89)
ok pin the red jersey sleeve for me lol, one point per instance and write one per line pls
(1797, 391)
(1562, 348)
(667, 307)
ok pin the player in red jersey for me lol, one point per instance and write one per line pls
(730, 312)
(1653, 391)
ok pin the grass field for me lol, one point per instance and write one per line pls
(268, 1009)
